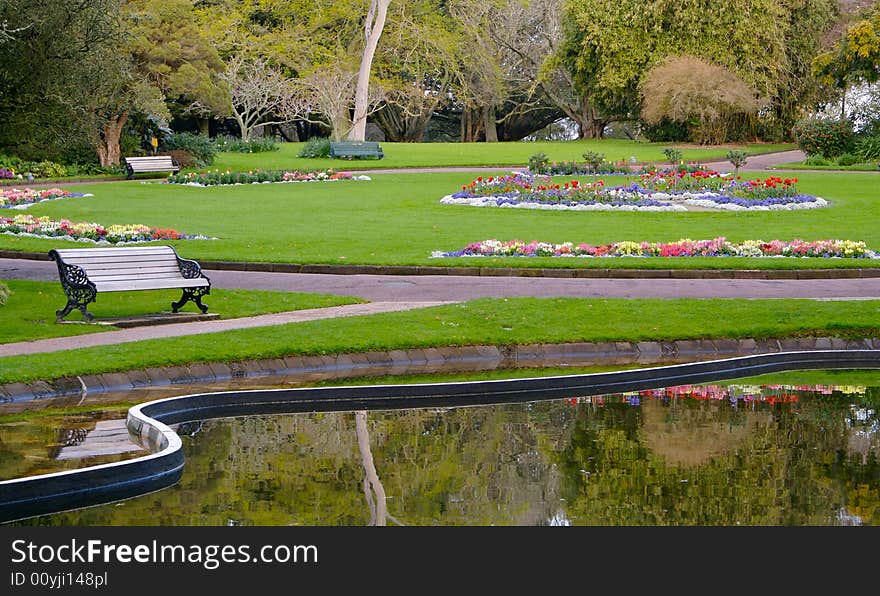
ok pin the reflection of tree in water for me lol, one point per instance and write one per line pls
(373, 489)
(524, 464)
(791, 467)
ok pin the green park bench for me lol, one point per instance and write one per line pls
(356, 149)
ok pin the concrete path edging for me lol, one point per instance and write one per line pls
(480, 271)
(426, 361)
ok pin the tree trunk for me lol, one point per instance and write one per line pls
(595, 128)
(107, 145)
(372, 31)
(471, 125)
(489, 124)
(204, 126)
(243, 128)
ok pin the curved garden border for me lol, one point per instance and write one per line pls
(37, 495)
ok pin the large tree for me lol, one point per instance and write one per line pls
(51, 59)
(853, 59)
(612, 44)
(374, 23)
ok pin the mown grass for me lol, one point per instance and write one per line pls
(799, 165)
(398, 219)
(426, 155)
(29, 313)
(484, 321)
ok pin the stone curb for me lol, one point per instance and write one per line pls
(578, 273)
(427, 360)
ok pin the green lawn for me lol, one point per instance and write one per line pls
(397, 219)
(404, 155)
(799, 165)
(485, 321)
(29, 313)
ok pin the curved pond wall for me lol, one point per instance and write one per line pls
(148, 423)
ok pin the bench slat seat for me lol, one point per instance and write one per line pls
(85, 272)
(151, 164)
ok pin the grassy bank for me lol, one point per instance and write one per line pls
(485, 321)
(426, 155)
(397, 219)
(29, 314)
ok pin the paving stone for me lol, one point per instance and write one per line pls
(137, 378)
(765, 346)
(221, 370)
(747, 346)
(293, 364)
(93, 383)
(201, 371)
(272, 366)
(822, 343)
(114, 381)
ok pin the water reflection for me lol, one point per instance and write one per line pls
(693, 455)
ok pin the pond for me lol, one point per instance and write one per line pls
(794, 452)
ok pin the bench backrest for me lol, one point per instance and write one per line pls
(157, 163)
(124, 264)
(355, 148)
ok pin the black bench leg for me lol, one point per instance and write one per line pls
(194, 294)
(79, 298)
(60, 314)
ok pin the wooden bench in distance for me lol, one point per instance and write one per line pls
(156, 163)
(353, 149)
(85, 272)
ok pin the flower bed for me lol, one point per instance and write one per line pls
(217, 178)
(21, 198)
(44, 227)
(670, 190)
(717, 247)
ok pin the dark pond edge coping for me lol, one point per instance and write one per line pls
(578, 273)
(148, 422)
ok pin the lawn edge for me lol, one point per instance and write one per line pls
(299, 368)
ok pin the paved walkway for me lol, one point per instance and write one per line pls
(181, 329)
(389, 293)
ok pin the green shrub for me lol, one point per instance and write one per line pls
(816, 160)
(824, 136)
(666, 131)
(316, 147)
(539, 163)
(594, 160)
(673, 155)
(868, 148)
(256, 145)
(184, 158)
(737, 157)
(848, 159)
(201, 147)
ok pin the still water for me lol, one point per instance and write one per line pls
(712, 455)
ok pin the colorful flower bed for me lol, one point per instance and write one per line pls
(771, 394)
(44, 227)
(717, 247)
(20, 198)
(668, 190)
(218, 178)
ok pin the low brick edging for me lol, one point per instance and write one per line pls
(427, 360)
(577, 273)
